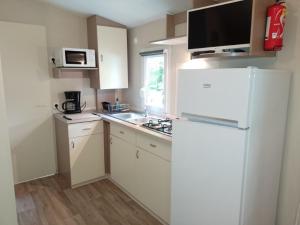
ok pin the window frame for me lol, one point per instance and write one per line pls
(156, 52)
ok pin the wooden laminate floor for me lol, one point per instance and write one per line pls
(48, 202)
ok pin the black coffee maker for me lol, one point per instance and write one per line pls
(72, 103)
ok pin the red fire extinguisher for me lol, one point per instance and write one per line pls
(275, 26)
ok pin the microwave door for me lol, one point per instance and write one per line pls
(76, 58)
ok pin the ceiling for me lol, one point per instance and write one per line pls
(128, 12)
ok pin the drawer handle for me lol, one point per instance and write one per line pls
(153, 146)
(121, 132)
(86, 129)
(73, 144)
(137, 154)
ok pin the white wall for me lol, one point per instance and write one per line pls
(64, 29)
(8, 215)
(138, 39)
(288, 59)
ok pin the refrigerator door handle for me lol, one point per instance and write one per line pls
(212, 120)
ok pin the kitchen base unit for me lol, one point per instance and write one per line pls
(80, 151)
(141, 165)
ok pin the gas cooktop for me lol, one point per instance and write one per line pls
(163, 126)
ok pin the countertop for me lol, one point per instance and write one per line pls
(136, 127)
(89, 116)
(78, 118)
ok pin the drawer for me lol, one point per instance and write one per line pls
(155, 146)
(123, 132)
(84, 129)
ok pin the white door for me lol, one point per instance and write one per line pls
(122, 164)
(216, 93)
(153, 176)
(87, 158)
(7, 194)
(112, 55)
(207, 174)
(23, 49)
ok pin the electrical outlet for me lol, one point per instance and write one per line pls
(52, 60)
(54, 105)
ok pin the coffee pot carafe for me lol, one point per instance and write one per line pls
(72, 104)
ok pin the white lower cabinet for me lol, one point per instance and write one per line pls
(145, 175)
(86, 158)
(153, 183)
(122, 160)
(80, 151)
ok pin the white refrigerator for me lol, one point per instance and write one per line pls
(227, 146)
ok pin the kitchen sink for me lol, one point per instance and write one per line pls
(140, 121)
(133, 117)
(128, 116)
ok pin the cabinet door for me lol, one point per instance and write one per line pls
(122, 159)
(87, 158)
(112, 55)
(153, 183)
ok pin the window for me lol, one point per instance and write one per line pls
(154, 82)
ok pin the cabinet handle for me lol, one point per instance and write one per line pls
(101, 58)
(153, 146)
(73, 144)
(137, 154)
(86, 129)
(121, 132)
(110, 139)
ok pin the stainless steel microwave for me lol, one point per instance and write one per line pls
(75, 57)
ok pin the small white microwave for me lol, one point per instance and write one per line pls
(75, 57)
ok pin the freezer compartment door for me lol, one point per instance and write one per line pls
(207, 174)
(217, 93)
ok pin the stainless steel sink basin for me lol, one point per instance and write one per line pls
(133, 117)
(128, 116)
(140, 121)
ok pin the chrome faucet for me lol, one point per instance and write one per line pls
(146, 111)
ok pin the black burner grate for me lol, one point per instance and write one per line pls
(162, 126)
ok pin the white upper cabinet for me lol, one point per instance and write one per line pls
(112, 57)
